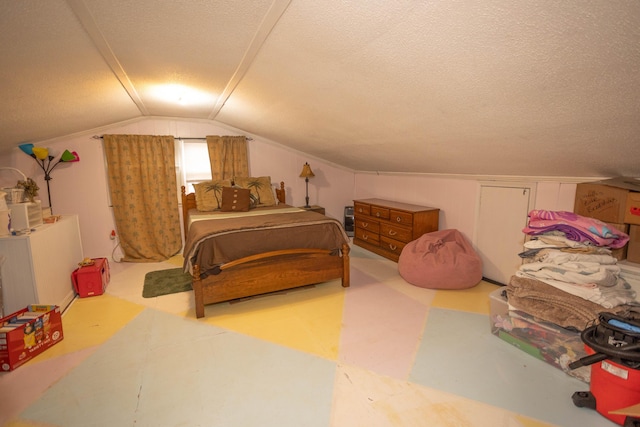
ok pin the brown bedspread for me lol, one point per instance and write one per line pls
(211, 243)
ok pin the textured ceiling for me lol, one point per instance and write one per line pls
(492, 87)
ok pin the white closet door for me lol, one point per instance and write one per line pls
(501, 215)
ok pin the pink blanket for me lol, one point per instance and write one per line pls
(576, 227)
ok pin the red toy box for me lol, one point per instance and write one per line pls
(27, 333)
(91, 280)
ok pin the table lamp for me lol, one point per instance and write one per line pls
(306, 174)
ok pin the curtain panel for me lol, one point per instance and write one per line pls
(228, 156)
(142, 185)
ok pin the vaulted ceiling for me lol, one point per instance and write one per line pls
(498, 87)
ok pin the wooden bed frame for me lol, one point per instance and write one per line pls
(267, 272)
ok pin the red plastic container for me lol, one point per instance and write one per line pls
(91, 280)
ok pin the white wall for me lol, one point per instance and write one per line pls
(456, 197)
(81, 188)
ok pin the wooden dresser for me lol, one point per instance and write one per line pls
(385, 227)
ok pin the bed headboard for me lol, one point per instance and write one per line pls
(280, 193)
(189, 202)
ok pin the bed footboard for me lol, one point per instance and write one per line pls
(269, 272)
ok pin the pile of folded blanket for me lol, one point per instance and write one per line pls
(568, 275)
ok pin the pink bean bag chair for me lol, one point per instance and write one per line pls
(440, 260)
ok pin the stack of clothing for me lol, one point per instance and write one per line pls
(568, 275)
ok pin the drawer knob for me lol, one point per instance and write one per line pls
(378, 214)
(365, 236)
(398, 219)
(392, 233)
(365, 224)
(360, 210)
(393, 247)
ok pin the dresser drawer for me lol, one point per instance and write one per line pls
(395, 232)
(391, 245)
(368, 224)
(384, 227)
(367, 236)
(361, 208)
(380, 212)
(402, 218)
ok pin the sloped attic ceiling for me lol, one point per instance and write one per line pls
(497, 87)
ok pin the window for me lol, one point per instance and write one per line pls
(192, 163)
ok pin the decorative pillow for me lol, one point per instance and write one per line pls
(235, 199)
(260, 187)
(209, 194)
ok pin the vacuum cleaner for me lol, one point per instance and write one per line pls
(613, 351)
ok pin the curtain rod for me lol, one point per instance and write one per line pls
(176, 137)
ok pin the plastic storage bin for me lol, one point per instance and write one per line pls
(543, 340)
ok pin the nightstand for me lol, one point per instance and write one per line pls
(314, 208)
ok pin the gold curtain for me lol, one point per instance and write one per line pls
(142, 184)
(228, 156)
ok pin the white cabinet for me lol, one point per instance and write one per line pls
(37, 267)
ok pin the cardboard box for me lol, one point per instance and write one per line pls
(550, 343)
(91, 280)
(27, 333)
(604, 200)
(632, 208)
(633, 247)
